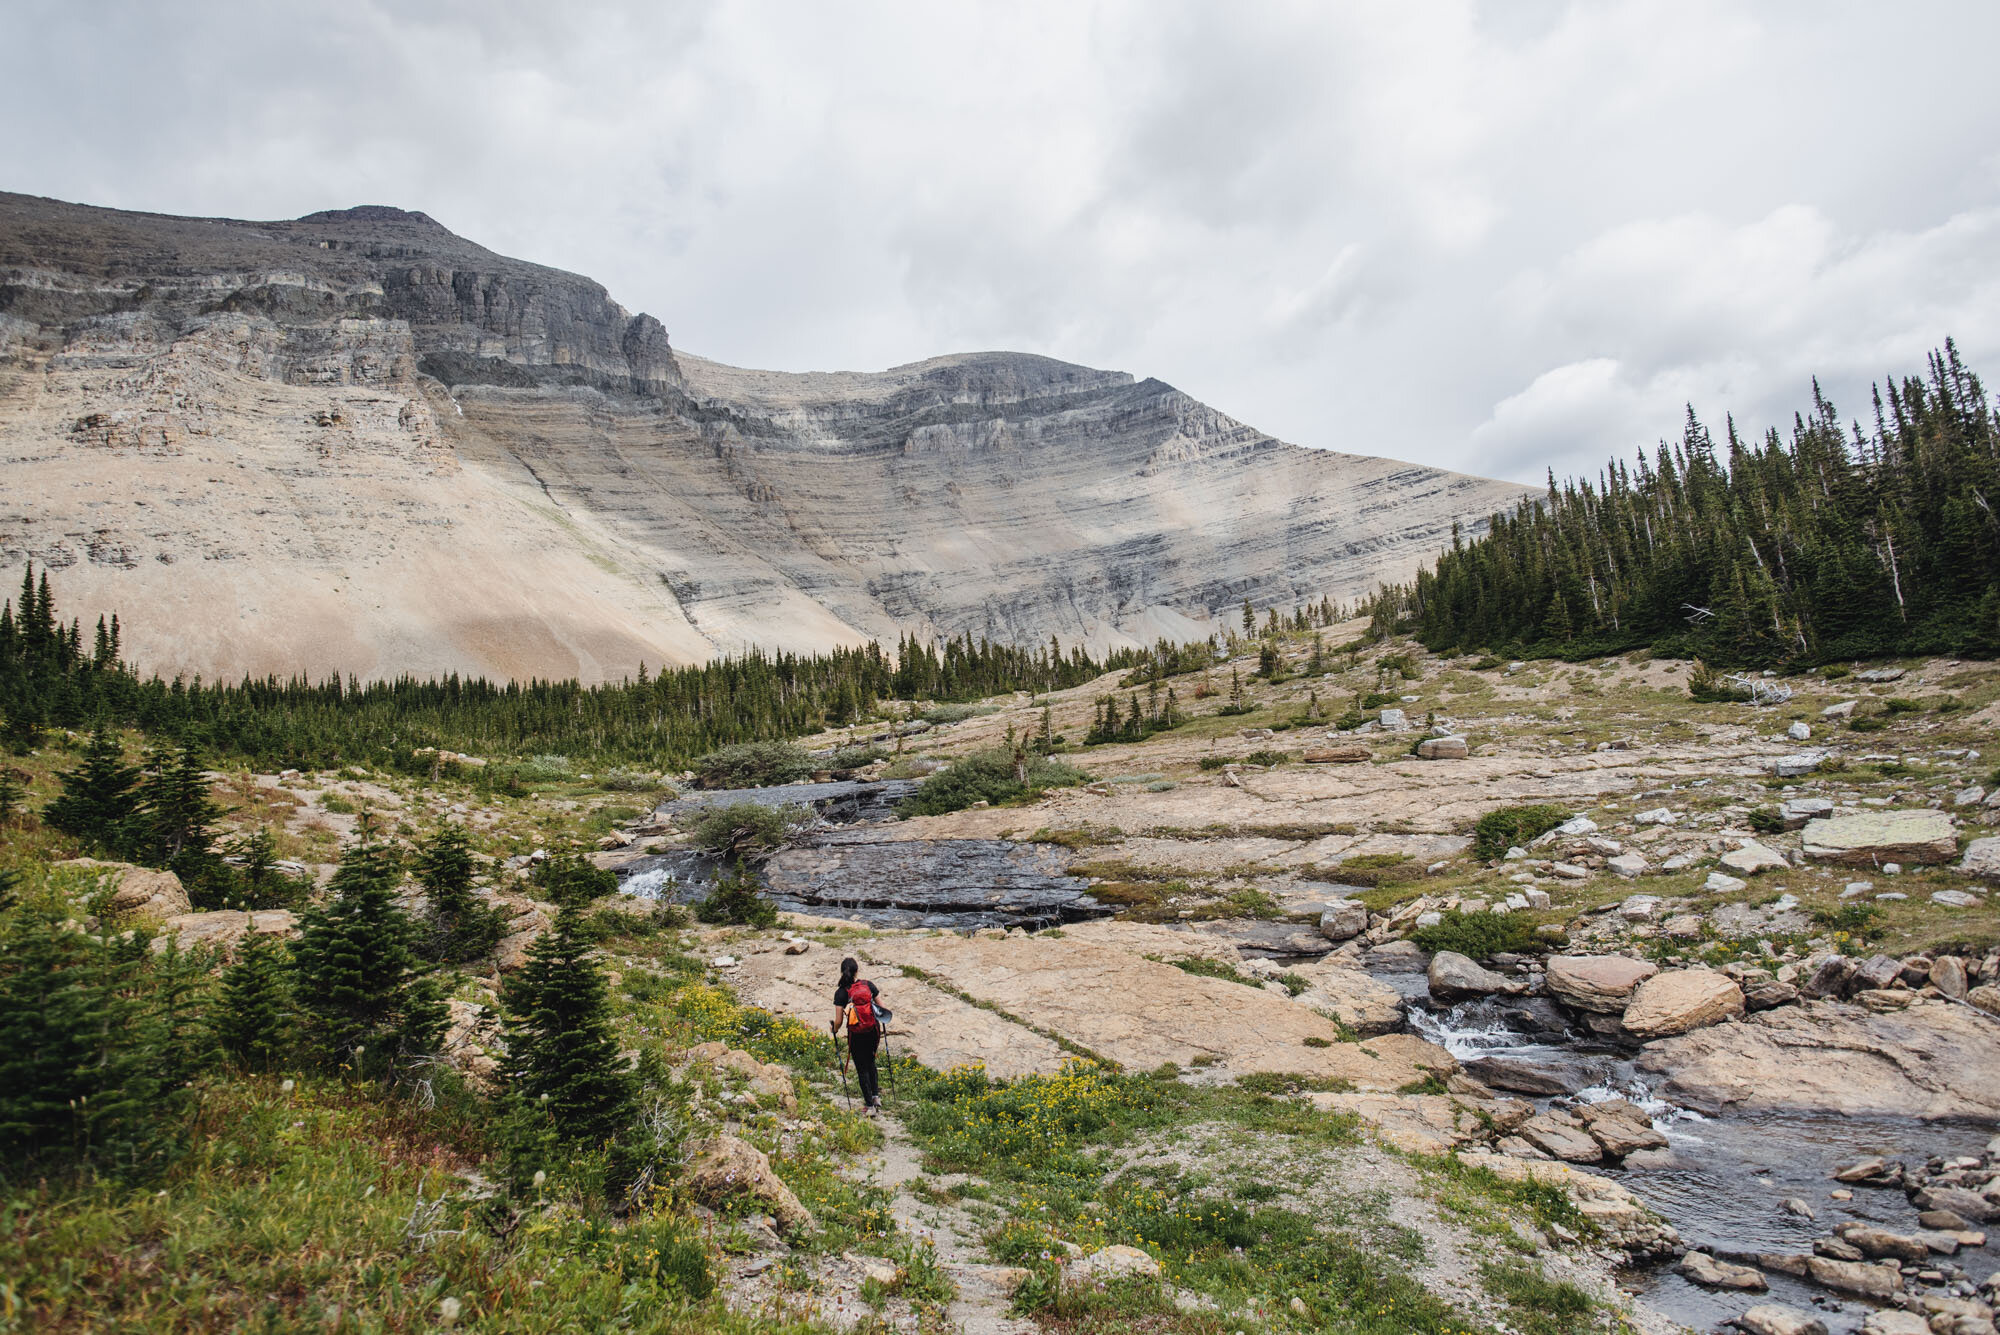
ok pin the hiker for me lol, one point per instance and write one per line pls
(857, 1004)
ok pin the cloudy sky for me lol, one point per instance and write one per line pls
(1497, 237)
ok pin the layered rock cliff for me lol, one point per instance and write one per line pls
(358, 442)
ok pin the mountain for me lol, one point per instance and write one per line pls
(358, 442)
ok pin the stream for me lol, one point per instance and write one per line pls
(1721, 1180)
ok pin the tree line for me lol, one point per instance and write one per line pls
(1836, 542)
(50, 678)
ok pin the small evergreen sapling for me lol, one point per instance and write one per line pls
(562, 1053)
(364, 1002)
(253, 1024)
(98, 803)
(460, 926)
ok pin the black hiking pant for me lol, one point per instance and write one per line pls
(862, 1046)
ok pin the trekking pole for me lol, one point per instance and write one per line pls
(840, 1053)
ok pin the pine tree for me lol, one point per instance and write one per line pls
(460, 927)
(253, 1022)
(1249, 618)
(363, 1002)
(98, 802)
(562, 1054)
(177, 819)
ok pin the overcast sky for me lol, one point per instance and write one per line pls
(1493, 237)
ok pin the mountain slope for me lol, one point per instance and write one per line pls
(356, 441)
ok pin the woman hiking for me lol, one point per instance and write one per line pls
(857, 1004)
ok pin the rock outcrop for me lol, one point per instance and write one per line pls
(1919, 838)
(356, 442)
(1683, 999)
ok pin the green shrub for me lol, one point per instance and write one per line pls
(956, 713)
(1899, 705)
(1268, 757)
(1379, 700)
(1766, 820)
(753, 765)
(571, 878)
(1512, 827)
(1868, 723)
(1708, 689)
(1216, 762)
(1835, 671)
(735, 901)
(544, 769)
(1478, 935)
(1487, 663)
(986, 776)
(854, 757)
(747, 829)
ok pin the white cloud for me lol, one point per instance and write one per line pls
(1422, 230)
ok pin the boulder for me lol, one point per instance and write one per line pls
(1443, 748)
(1359, 1001)
(1828, 1057)
(1893, 1321)
(1920, 837)
(225, 927)
(1753, 859)
(1797, 766)
(771, 1083)
(1629, 865)
(1600, 983)
(1705, 1269)
(1396, 957)
(1343, 920)
(140, 892)
(1862, 1277)
(1874, 1171)
(1948, 976)
(1114, 1262)
(1561, 1136)
(1520, 1077)
(1620, 1127)
(1776, 1319)
(1845, 709)
(1955, 899)
(1880, 1243)
(1986, 998)
(1965, 1204)
(1721, 883)
(1799, 810)
(1392, 720)
(1454, 977)
(726, 1167)
(1762, 994)
(1680, 1000)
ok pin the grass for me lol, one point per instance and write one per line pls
(1478, 935)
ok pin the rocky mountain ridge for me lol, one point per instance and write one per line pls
(358, 442)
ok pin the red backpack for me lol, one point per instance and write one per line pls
(861, 1005)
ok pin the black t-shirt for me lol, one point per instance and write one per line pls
(840, 993)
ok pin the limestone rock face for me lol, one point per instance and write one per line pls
(1601, 983)
(1680, 1000)
(1920, 838)
(356, 442)
(1927, 1060)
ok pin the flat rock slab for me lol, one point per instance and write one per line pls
(1929, 1060)
(1276, 940)
(1363, 1003)
(1680, 1000)
(1147, 938)
(1141, 1013)
(1602, 983)
(933, 882)
(932, 1026)
(1914, 838)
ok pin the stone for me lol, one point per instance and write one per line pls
(1982, 859)
(1443, 748)
(1985, 997)
(1396, 957)
(1877, 675)
(1824, 1057)
(1868, 1280)
(1639, 908)
(771, 1082)
(1600, 983)
(1799, 732)
(1620, 1127)
(1718, 883)
(1949, 1221)
(1919, 836)
(1656, 816)
(1892, 1321)
(1392, 720)
(1705, 1269)
(1561, 1137)
(1521, 1077)
(1955, 899)
(1114, 1262)
(1968, 797)
(1343, 920)
(1753, 859)
(1968, 1205)
(1338, 755)
(1453, 977)
(1797, 766)
(1683, 926)
(1793, 1205)
(1880, 1243)
(1681, 1000)
(1569, 871)
(1628, 865)
(1799, 810)
(1767, 993)
(1877, 971)
(879, 1271)
(1873, 1171)
(223, 928)
(726, 1167)
(1843, 710)
(1777, 1319)
(1363, 1003)
(1948, 976)
(140, 893)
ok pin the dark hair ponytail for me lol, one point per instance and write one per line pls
(848, 968)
